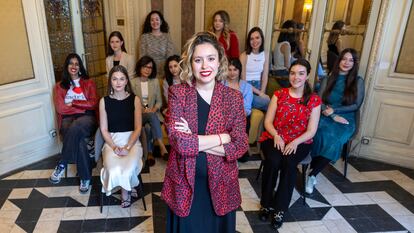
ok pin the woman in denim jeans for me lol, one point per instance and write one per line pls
(147, 87)
(255, 71)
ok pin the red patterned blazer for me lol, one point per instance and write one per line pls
(226, 116)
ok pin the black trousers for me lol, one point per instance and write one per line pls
(274, 163)
(74, 130)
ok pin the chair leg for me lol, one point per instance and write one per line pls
(260, 170)
(141, 191)
(102, 201)
(345, 165)
(304, 169)
(345, 155)
(66, 170)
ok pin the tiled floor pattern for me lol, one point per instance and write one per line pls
(375, 197)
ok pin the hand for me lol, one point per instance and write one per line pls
(225, 138)
(290, 148)
(279, 143)
(123, 152)
(328, 111)
(182, 126)
(263, 95)
(69, 104)
(340, 120)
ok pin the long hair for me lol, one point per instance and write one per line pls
(248, 46)
(66, 79)
(123, 70)
(145, 60)
(333, 36)
(147, 24)
(187, 56)
(236, 63)
(119, 35)
(288, 36)
(307, 91)
(226, 21)
(350, 91)
(168, 75)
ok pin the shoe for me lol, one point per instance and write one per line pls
(126, 203)
(84, 186)
(150, 160)
(264, 214)
(57, 174)
(310, 184)
(277, 220)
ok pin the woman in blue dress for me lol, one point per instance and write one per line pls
(342, 95)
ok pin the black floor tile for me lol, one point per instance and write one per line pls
(29, 215)
(363, 225)
(73, 203)
(56, 202)
(28, 226)
(387, 224)
(263, 228)
(70, 226)
(350, 212)
(372, 211)
(95, 225)
(117, 224)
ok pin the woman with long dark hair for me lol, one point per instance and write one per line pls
(290, 122)
(227, 38)
(172, 74)
(117, 54)
(76, 102)
(334, 42)
(255, 62)
(342, 94)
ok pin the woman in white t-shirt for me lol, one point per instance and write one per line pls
(147, 87)
(255, 62)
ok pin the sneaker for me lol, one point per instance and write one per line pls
(310, 184)
(264, 214)
(277, 220)
(84, 186)
(57, 174)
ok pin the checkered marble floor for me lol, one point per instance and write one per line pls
(375, 197)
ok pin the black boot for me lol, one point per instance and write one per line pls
(277, 220)
(264, 213)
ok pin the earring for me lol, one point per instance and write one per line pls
(112, 91)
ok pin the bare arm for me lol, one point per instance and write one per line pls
(243, 60)
(308, 134)
(265, 74)
(285, 49)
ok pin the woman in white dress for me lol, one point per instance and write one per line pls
(120, 122)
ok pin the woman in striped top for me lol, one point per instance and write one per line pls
(155, 40)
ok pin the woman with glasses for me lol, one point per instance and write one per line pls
(147, 88)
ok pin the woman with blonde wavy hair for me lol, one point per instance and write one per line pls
(206, 128)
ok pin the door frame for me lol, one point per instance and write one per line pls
(26, 107)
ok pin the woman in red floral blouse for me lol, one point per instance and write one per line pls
(291, 122)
